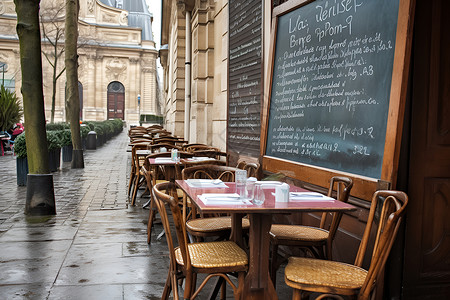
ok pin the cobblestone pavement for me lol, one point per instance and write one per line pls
(94, 248)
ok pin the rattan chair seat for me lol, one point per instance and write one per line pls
(213, 224)
(298, 232)
(214, 255)
(301, 272)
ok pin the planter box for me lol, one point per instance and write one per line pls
(54, 159)
(22, 171)
(67, 153)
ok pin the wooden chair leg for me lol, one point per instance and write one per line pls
(223, 291)
(188, 286)
(167, 288)
(130, 182)
(135, 189)
(274, 265)
(151, 217)
(296, 294)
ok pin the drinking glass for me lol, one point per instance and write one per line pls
(240, 177)
(259, 197)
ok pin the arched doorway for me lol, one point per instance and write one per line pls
(116, 100)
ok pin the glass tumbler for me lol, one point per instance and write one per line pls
(240, 180)
(259, 197)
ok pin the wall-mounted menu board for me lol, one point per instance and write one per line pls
(338, 70)
(245, 77)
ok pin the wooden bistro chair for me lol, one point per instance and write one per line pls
(317, 240)
(213, 153)
(189, 259)
(136, 176)
(186, 146)
(331, 277)
(157, 175)
(218, 226)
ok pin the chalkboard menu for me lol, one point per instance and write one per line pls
(245, 77)
(331, 83)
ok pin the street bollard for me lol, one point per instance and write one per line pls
(91, 143)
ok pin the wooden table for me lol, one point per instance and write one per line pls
(258, 284)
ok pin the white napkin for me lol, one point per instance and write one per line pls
(308, 196)
(163, 159)
(201, 158)
(206, 183)
(221, 199)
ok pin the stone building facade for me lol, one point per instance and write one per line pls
(208, 32)
(208, 85)
(117, 59)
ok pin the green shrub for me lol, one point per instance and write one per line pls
(66, 137)
(53, 140)
(20, 146)
(10, 109)
(56, 126)
(98, 128)
(84, 131)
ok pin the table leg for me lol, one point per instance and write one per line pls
(257, 282)
(236, 231)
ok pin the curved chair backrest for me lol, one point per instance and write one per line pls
(162, 200)
(157, 147)
(241, 164)
(217, 154)
(339, 189)
(252, 169)
(392, 212)
(209, 172)
(196, 147)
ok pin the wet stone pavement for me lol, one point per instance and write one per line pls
(94, 247)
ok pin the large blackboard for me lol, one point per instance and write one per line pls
(331, 84)
(245, 77)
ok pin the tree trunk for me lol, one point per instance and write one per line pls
(42, 200)
(73, 100)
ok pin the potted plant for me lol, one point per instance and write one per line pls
(54, 150)
(10, 109)
(66, 143)
(20, 149)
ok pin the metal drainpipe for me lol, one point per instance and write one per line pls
(187, 82)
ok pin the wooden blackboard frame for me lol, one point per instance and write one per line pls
(364, 187)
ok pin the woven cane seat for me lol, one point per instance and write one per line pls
(213, 224)
(301, 272)
(214, 255)
(298, 232)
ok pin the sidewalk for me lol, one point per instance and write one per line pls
(94, 248)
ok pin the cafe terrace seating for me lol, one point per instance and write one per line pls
(317, 240)
(217, 259)
(331, 277)
(219, 226)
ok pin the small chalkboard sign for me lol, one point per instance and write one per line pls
(333, 70)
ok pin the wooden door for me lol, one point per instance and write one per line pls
(426, 271)
(116, 100)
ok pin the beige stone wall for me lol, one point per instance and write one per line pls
(108, 52)
(174, 71)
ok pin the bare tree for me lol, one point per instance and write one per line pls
(71, 62)
(52, 26)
